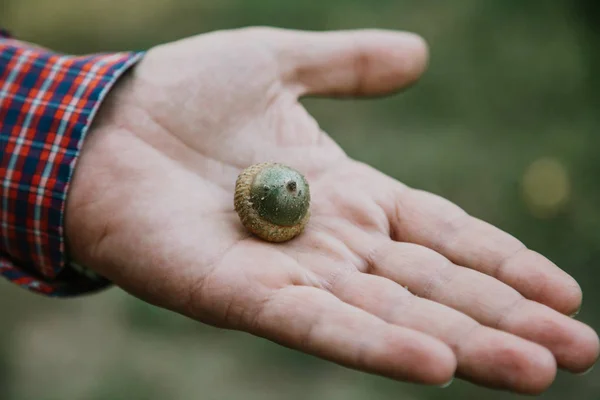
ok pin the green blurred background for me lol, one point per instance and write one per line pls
(505, 123)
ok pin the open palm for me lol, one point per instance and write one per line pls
(385, 278)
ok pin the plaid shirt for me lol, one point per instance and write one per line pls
(47, 103)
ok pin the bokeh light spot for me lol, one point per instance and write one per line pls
(546, 187)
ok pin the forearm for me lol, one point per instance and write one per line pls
(47, 104)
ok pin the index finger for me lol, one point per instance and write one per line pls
(432, 221)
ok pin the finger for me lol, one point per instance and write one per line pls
(350, 63)
(489, 301)
(485, 356)
(316, 322)
(431, 221)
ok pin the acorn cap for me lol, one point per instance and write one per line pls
(272, 201)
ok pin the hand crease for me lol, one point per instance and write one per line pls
(341, 274)
(403, 302)
(163, 126)
(361, 67)
(452, 227)
(498, 269)
(104, 234)
(371, 264)
(457, 344)
(198, 286)
(500, 321)
(308, 336)
(441, 278)
(394, 222)
(256, 320)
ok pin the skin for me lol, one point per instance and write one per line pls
(390, 280)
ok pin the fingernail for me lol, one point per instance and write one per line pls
(579, 309)
(445, 385)
(587, 371)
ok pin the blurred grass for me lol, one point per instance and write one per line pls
(510, 83)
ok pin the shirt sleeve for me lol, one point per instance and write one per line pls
(47, 103)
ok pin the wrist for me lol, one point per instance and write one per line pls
(90, 177)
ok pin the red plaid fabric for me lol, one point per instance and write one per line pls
(47, 103)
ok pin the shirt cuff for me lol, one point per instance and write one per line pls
(47, 103)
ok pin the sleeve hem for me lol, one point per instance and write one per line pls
(97, 281)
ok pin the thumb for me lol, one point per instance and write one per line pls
(350, 63)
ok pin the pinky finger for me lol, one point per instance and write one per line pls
(318, 323)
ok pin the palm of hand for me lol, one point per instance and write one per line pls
(373, 283)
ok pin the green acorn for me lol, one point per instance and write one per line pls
(272, 201)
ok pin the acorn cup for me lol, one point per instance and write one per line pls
(272, 201)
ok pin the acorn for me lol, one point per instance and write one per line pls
(272, 201)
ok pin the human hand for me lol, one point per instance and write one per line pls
(385, 278)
